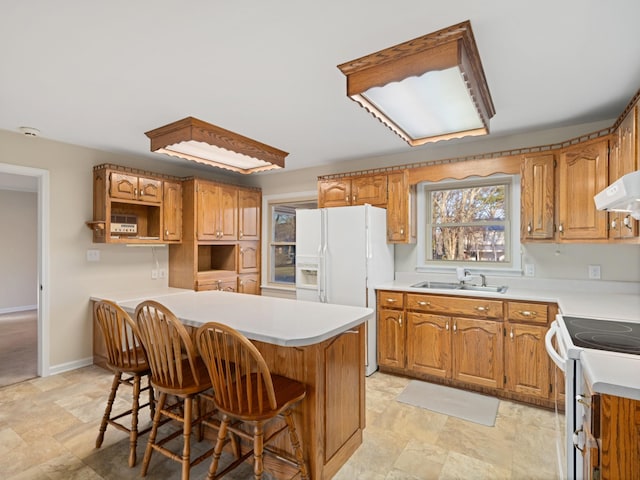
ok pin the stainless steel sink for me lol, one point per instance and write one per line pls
(461, 286)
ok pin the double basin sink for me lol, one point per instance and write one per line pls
(461, 286)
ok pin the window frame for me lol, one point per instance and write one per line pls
(307, 199)
(512, 226)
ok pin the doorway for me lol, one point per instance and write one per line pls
(27, 179)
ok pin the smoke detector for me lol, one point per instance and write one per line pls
(29, 131)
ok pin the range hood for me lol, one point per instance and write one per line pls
(623, 195)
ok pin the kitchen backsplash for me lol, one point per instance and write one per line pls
(618, 263)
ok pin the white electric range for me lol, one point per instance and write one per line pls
(610, 343)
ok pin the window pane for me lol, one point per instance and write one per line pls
(284, 224)
(283, 259)
(462, 205)
(470, 243)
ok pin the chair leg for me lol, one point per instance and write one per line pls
(186, 434)
(152, 400)
(153, 434)
(217, 451)
(258, 449)
(295, 443)
(133, 433)
(107, 411)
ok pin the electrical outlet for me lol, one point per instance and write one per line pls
(154, 274)
(162, 273)
(93, 255)
(594, 272)
(529, 270)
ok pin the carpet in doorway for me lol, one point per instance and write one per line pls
(470, 406)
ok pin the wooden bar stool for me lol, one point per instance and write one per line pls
(127, 360)
(176, 370)
(245, 391)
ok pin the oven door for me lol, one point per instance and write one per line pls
(565, 425)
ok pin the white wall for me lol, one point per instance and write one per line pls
(18, 250)
(72, 278)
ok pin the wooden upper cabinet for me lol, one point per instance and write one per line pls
(217, 217)
(537, 198)
(249, 207)
(172, 211)
(401, 211)
(582, 173)
(341, 192)
(334, 193)
(126, 186)
(371, 190)
(623, 159)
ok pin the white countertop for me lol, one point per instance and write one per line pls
(612, 374)
(289, 323)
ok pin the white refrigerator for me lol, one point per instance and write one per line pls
(341, 255)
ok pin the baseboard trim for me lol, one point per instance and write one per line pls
(24, 308)
(66, 367)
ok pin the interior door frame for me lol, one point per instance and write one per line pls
(42, 178)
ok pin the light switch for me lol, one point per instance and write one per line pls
(594, 272)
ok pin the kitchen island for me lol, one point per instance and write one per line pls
(321, 345)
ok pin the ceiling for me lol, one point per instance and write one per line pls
(100, 74)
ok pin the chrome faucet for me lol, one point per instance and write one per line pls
(484, 280)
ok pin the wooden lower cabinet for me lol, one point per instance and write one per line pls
(488, 345)
(477, 352)
(429, 344)
(249, 283)
(391, 337)
(526, 364)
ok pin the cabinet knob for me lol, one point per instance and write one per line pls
(240, 235)
(241, 251)
(446, 325)
(560, 228)
(402, 231)
(627, 222)
(400, 319)
(527, 313)
(355, 198)
(455, 327)
(423, 303)
(391, 300)
(511, 333)
(529, 228)
(480, 308)
(346, 199)
(614, 224)
(166, 232)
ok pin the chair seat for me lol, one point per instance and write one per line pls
(189, 384)
(287, 392)
(137, 363)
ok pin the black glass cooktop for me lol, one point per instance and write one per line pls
(613, 336)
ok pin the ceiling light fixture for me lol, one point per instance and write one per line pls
(428, 89)
(202, 142)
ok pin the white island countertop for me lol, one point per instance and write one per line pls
(279, 321)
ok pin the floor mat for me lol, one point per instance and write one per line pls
(470, 406)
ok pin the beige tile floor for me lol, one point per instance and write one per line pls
(48, 428)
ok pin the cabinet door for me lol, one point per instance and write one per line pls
(477, 352)
(371, 190)
(526, 360)
(149, 190)
(207, 209)
(123, 186)
(334, 193)
(582, 173)
(537, 201)
(429, 344)
(172, 211)
(623, 159)
(400, 209)
(249, 284)
(249, 257)
(228, 213)
(249, 214)
(391, 339)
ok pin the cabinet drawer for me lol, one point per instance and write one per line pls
(528, 312)
(390, 299)
(475, 307)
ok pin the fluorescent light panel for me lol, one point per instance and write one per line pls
(428, 89)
